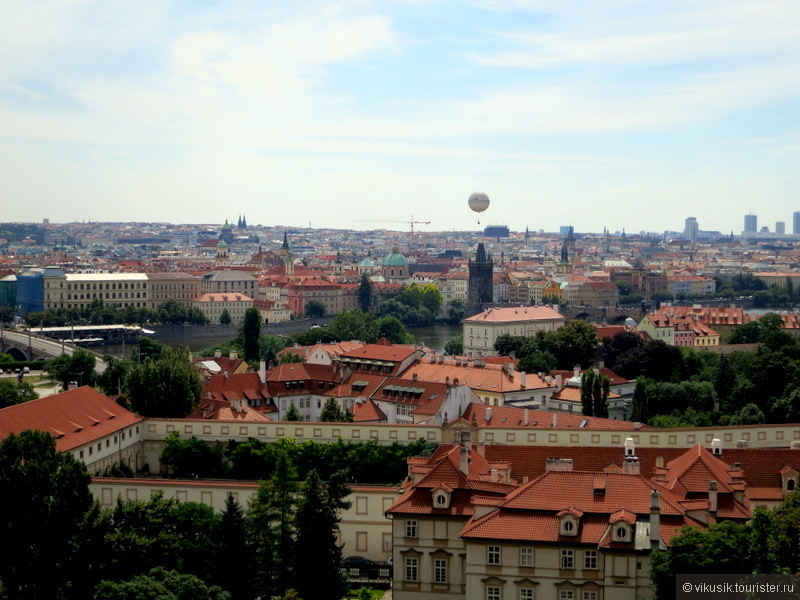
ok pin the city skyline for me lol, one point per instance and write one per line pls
(595, 114)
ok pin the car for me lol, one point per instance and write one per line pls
(26, 370)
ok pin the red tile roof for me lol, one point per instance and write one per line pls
(74, 418)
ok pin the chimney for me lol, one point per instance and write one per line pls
(576, 372)
(480, 448)
(555, 420)
(559, 382)
(217, 353)
(414, 377)
(716, 447)
(262, 372)
(488, 415)
(655, 520)
(233, 355)
(527, 417)
(466, 439)
(712, 496)
(631, 465)
(225, 374)
(630, 448)
(558, 464)
(522, 378)
(463, 463)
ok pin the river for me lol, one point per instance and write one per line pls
(433, 337)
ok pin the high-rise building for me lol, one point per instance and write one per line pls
(750, 223)
(780, 227)
(690, 229)
(796, 223)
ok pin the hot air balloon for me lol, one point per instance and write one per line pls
(478, 202)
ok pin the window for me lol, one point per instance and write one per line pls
(566, 595)
(526, 594)
(526, 557)
(411, 568)
(569, 526)
(590, 595)
(493, 555)
(440, 570)
(567, 559)
(411, 529)
(590, 559)
(493, 592)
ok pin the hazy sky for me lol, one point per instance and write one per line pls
(594, 113)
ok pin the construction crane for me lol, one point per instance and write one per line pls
(410, 222)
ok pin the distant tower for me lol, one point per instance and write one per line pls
(527, 236)
(564, 267)
(223, 256)
(750, 223)
(226, 235)
(244, 222)
(796, 223)
(780, 228)
(480, 288)
(286, 256)
(691, 229)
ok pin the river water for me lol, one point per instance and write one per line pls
(433, 337)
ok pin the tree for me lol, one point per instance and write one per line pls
(112, 378)
(365, 294)
(640, 404)
(225, 317)
(232, 563)
(353, 325)
(456, 311)
(315, 309)
(724, 381)
(318, 553)
(749, 414)
(393, 330)
(168, 386)
(538, 361)
(160, 584)
(191, 457)
(250, 332)
(454, 346)
(718, 549)
(15, 392)
(292, 414)
(77, 367)
(45, 497)
(587, 403)
(331, 411)
(272, 525)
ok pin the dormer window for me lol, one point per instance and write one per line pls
(568, 522)
(441, 498)
(622, 532)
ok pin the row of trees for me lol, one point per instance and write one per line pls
(57, 543)
(767, 544)
(367, 462)
(680, 386)
(170, 312)
(157, 382)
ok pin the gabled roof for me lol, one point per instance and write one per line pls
(75, 417)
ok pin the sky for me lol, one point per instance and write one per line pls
(625, 114)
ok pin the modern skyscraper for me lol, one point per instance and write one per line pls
(690, 229)
(796, 223)
(750, 223)
(780, 227)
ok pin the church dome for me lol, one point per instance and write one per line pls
(395, 259)
(367, 262)
(222, 244)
